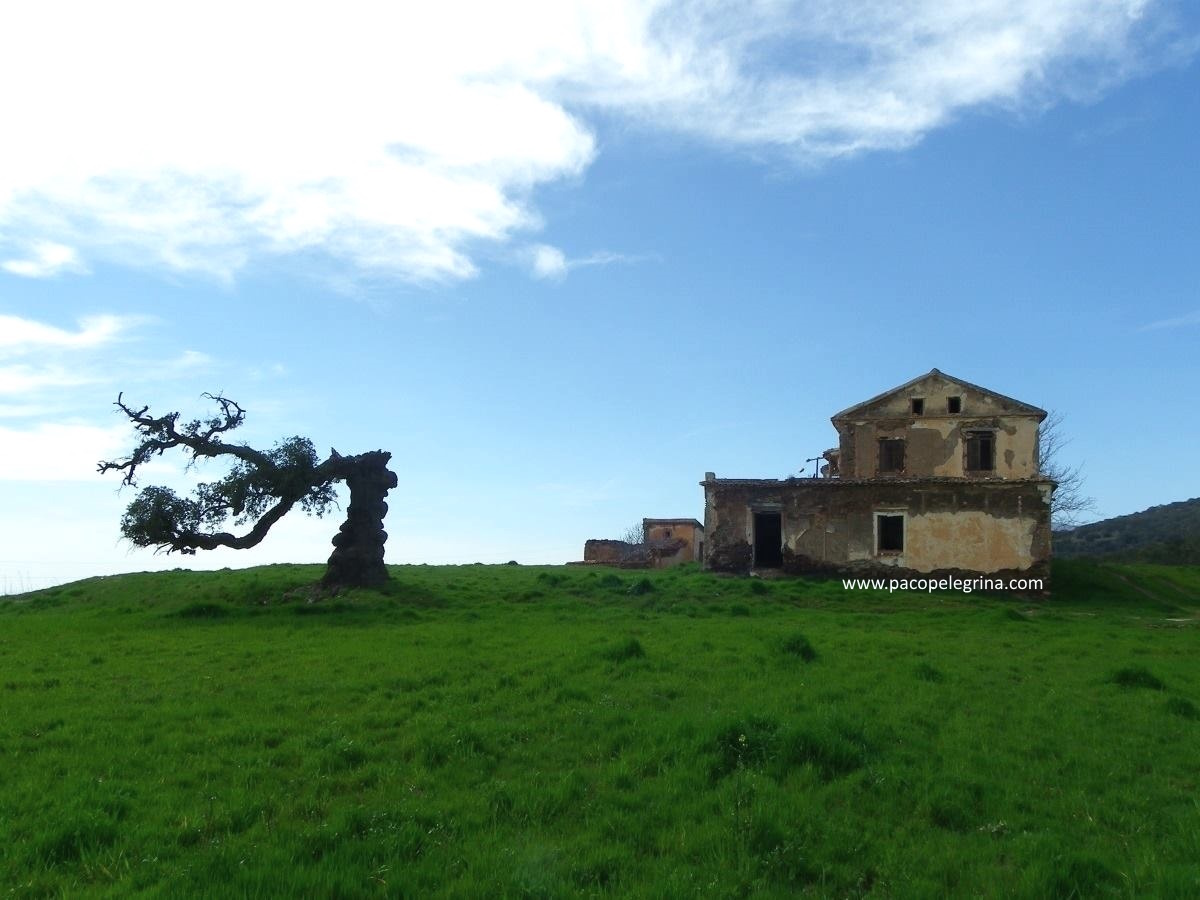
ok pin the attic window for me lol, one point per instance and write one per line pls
(918, 406)
(981, 451)
(953, 405)
(891, 455)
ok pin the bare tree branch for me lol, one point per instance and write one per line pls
(635, 534)
(1070, 503)
(202, 438)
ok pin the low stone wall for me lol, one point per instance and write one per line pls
(606, 552)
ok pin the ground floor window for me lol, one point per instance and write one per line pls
(889, 532)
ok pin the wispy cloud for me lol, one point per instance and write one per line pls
(551, 264)
(1192, 318)
(416, 140)
(45, 259)
(22, 335)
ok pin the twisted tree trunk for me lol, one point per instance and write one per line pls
(357, 558)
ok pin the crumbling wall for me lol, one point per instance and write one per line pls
(951, 525)
(936, 446)
(726, 529)
(607, 552)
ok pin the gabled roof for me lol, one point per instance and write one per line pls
(1017, 405)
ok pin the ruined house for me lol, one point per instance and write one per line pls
(665, 543)
(936, 477)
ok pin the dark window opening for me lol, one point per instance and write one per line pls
(668, 532)
(768, 540)
(890, 533)
(891, 455)
(981, 451)
(954, 405)
(918, 406)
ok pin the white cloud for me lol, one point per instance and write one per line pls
(46, 259)
(398, 137)
(19, 335)
(548, 262)
(190, 361)
(1183, 321)
(551, 264)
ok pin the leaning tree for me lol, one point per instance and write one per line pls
(261, 488)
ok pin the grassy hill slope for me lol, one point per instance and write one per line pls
(1167, 534)
(517, 731)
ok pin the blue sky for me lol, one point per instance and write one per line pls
(565, 260)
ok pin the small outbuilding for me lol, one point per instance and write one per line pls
(674, 541)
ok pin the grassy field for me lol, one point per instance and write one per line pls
(482, 731)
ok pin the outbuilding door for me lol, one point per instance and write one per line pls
(768, 540)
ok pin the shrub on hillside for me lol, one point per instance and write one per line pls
(798, 645)
(628, 649)
(1137, 677)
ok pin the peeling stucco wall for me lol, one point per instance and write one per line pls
(950, 525)
(599, 550)
(935, 438)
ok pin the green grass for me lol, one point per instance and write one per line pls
(510, 731)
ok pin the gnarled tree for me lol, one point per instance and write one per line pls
(261, 488)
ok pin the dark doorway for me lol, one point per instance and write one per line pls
(768, 541)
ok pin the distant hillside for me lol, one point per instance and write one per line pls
(1167, 534)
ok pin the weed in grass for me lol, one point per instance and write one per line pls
(343, 757)
(1182, 707)
(831, 750)
(744, 744)
(1082, 876)
(926, 672)
(77, 836)
(642, 587)
(1137, 677)
(798, 645)
(631, 648)
(954, 806)
(760, 743)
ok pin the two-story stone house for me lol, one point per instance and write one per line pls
(937, 476)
